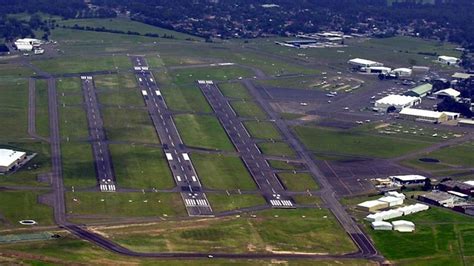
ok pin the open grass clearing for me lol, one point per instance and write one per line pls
(276, 149)
(298, 181)
(222, 172)
(83, 64)
(110, 205)
(221, 73)
(129, 125)
(202, 131)
(300, 230)
(262, 130)
(282, 165)
(235, 90)
(358, 143)
(23, 205)
(224, 202)
(73, 123)
(248, 109)
(78, 165)
(42, 113)
(116, 82)
(13, 107)
(140, 167)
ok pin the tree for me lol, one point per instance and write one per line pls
(427, 186)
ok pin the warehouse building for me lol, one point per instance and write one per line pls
(384, 215)
(396, 102)
(391, 201)
(423, 115)
(447, 93)
(414, 208)
(372, 205)
(395, 194)
(403, 226)
(408, 179)
(381, 225)
(27, 44)
(438, 198)
(457, 186)
(9, 159)
(359, 63)
(448, 60)
(420, 91)
(402, 72)
(376, 70)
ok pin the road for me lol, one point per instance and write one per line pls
(365, 245)
(100, 148)
(271, 187)
(178, 158)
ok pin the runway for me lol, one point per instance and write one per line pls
(178, 158)
(100, 149)
(271, 187)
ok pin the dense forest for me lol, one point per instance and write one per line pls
(449, 20)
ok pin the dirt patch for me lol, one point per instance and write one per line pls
(384, 125)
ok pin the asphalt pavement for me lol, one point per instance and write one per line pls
(178, 158)
(100, 148)
(271, 187)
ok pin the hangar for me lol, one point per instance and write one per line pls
(9, 159)
(423, 115)
(372, 205)
(448, 60)
(408, 179)
(403, 226)
(447, 93)
(391, 201)
(396, 101)
(360, 63)
(27, 44)
(420, 91)
(402, 72)
(381, 225)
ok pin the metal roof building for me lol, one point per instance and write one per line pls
(450, 92)
(403, 226)
(420, 91)
(9, 159)
(384, 215)
(423, 115)
(408, 179)
(381, 225)
(391, 201)
(359, 62)
(397, 101)
(372, 205)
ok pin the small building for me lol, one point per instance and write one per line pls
(395, 194)
(420, 69)
(9, 159)
(421, 115)
(409, 179)
(396, 101)
(376, 70)
(462, 76)
(372, 205)
(383, 181)
(466, 122)
(438, 198)
(467, 209)
(448, 60)
(458, 186)
(391, 201)
(402, 72)
(27, 44)
(469, 182)
(381, 225)
(447, 93)
(359, 63)
(452, 115)
(403, 226)
(414, 208)
(420, 91)
(383, 215)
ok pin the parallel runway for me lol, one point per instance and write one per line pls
(263, 174)
(102, 160)
(178, 159)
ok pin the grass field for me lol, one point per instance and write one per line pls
(83, 64)
(450, 157)
(13, 106)
(116, 82)
(22, 205)
(248, 109)
(352, 142)
(70, 250)
(276, 149)
(224, 202)
(281, 165)
(69, 91)
(202, 131)
(78, 165)
(118, 90)
(298, 181)
(129, 125)
(140, 167)
(185, 98)
(262, 130)
(190, 76)
(273, 230)
(110, 205)
(73, 123)
(222, 172)
(42, 115)
(442, 237)
(127, 25)
(235, 90)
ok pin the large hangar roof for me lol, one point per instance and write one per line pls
(7, 156)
